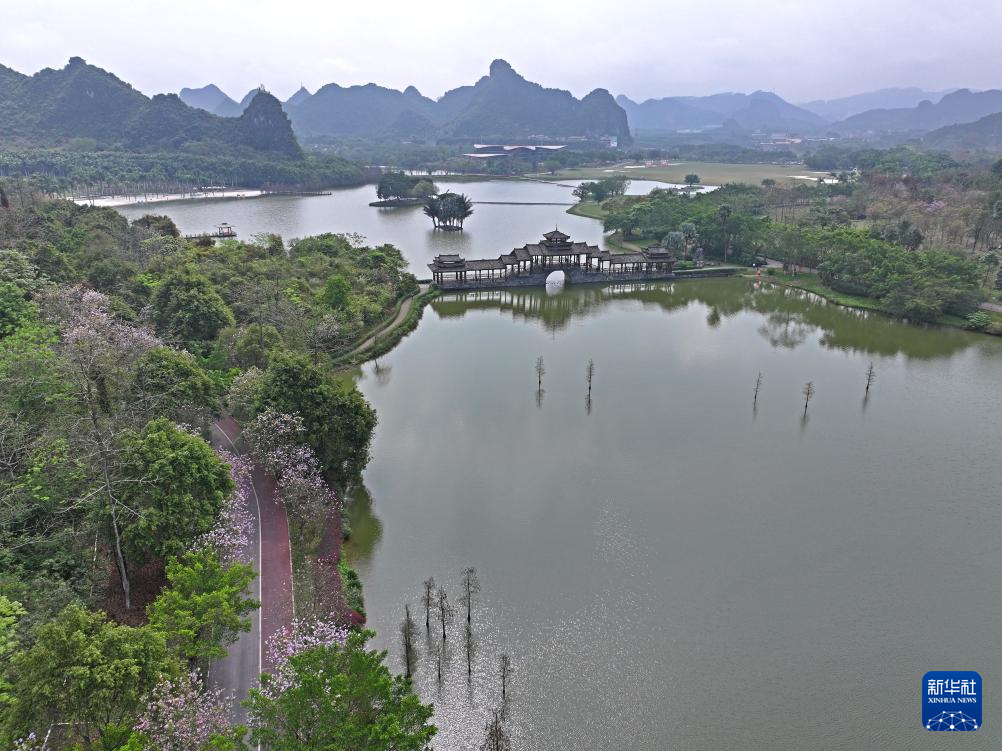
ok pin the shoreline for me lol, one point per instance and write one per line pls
(862, 303)
(116, 200)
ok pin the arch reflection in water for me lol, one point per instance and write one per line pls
(555, 283)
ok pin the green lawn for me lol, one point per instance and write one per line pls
(710, 173)
(589, 209)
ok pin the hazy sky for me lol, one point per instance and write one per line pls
(643, 48)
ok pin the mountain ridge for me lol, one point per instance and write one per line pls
(54, 107)
(961, 106)
(496, 105)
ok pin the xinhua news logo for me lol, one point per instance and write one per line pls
(951, 700)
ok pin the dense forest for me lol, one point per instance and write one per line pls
(81, 102)
(121, 523)
(52, 172)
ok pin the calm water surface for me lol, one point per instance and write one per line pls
(667, 567)
(493, 229)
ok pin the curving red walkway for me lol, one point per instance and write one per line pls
(277, 593)
(274, 556)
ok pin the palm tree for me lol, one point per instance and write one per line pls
(690, 234)
(433, 209)
(724, 212)
(453, 210)
(674, 241)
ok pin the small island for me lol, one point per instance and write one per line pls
(400, 189)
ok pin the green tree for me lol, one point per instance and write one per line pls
(674, 241)
(205, 607)
(174, 485)
(692, 179)
(423, 190)
(551, 165)
(449, 210)
(186, 306)
(16, 269)
(10, 612)
(340, 698)
(337, 292)
(86, 673)
(174, 384)
(15, 309)
(339, 422)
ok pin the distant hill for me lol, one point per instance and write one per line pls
(760, 110)
(504, 104)
(211, 99)
(981, 135)
(81, 101)
(893, 98)
(500, 105)
(356, 110)
(297, 98)
(961, 106)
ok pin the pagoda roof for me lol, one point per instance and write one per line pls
(557, 235)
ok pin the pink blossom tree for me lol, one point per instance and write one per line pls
(299, 636)
(182, 715)
(232, 532)
(97, 353)
(276, 443)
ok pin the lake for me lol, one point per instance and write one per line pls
(514, 213)
(666, 566)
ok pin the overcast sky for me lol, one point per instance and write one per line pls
(803, 49)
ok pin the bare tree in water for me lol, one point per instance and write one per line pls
(438, 652)
(496, 737)
(871, 376)
(758, 385)
(589, 374)
(504, 672)
(444, 608)
(470, 647)
(808, 392)
(471, 586)
(428, 600)
(408, 634)
(540, 372)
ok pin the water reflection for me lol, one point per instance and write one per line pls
(791, 316)
(366, 528)
(666, 541)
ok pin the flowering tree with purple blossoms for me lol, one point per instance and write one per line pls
(298, 636)
(96, 354)
(232, 531)
(182, 715)
(275, 443)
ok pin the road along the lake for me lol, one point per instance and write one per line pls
(269, 553)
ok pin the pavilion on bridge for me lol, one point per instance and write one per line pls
(556, 251)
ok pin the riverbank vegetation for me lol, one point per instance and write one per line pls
(122, 527)
(918, 246)
(61, 173)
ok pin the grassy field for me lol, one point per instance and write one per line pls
(710, 173)
(589, 209)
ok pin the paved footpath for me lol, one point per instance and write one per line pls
(270, 555)
(405, 308)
